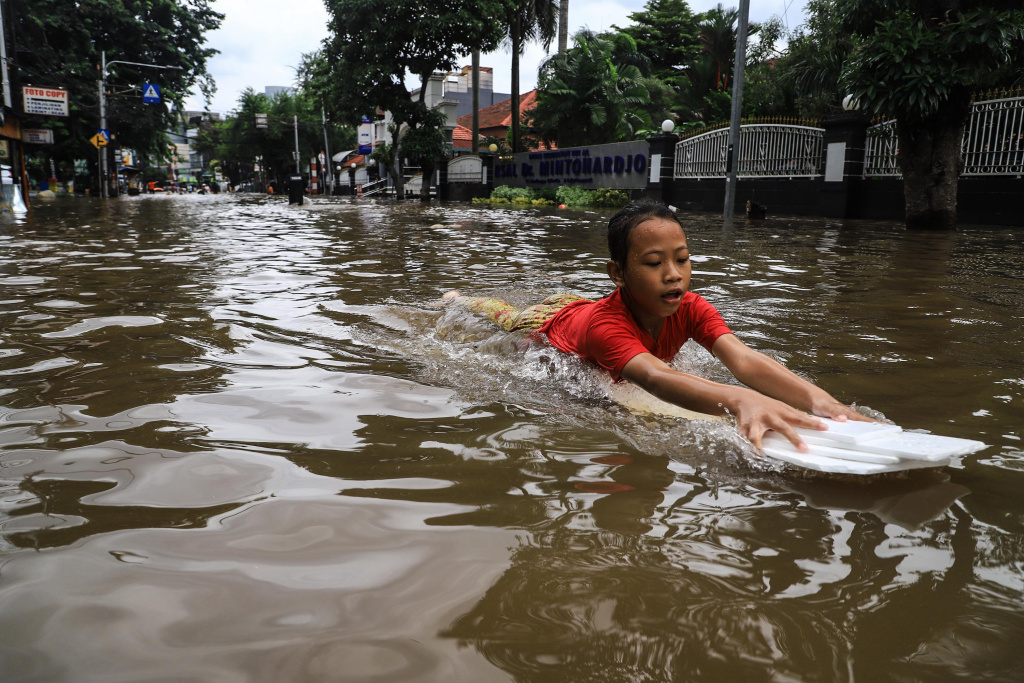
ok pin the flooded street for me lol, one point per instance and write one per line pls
(242, 441)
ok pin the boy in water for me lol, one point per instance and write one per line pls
(633, 332)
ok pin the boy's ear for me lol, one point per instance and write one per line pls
(615, 273)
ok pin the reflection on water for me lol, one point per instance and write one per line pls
(241, 440)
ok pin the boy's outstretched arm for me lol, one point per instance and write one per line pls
(771, 378)
(755, 413)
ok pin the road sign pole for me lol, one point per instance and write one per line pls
(103, 126)
(104, 173)
(298, 169)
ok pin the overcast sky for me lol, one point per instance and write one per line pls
(261, 41)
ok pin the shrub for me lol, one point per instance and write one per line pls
(547, 192)
(574, 196)
(609, 197)
(511, 193)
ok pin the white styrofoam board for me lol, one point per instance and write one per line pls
(829, 450)
(916, 446)
(843, 466)
(849, 432)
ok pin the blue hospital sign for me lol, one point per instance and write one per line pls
(151, 93)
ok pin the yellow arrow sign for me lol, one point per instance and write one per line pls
(98, 140)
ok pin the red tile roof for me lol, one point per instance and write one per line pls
(500, 115)
(462, 138)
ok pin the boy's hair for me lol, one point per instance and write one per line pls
(622, 224)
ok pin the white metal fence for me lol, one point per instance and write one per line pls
(767, 150)
(993, 141)
(467, 168)
(880, 151)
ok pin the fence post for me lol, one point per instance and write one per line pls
(488, 170)
(442, 180)
(843, 165)
(662, 170)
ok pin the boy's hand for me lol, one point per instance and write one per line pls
(826, 406)
(756, 414)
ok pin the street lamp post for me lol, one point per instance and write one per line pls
(104, 189)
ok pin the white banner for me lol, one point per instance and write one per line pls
(45, 101)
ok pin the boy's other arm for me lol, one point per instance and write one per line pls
(755, 413)
(770, 377)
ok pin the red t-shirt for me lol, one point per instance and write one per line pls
(604, 332)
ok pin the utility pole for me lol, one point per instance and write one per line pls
(737, 109)
(327, 151)
(474, 79)
(104, 190)
(297, 169)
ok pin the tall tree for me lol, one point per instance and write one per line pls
(59, 44)
(596, 92)
(816, 54)
(527, 20)
(373, 45)
(920, 61)
(718, 28)
(667, 32)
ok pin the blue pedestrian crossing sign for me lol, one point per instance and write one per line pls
(151, 93)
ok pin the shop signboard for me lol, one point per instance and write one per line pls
(37, 136)
(621, 165)
(45, 101)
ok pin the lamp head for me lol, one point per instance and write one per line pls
(668, 125)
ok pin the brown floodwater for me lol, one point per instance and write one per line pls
(241, 441)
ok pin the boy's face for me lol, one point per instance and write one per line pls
(657, 271)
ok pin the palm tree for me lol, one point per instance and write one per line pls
(529, 20)
(595, 92)
(718, 38)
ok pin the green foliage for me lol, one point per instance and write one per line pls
(374, 45)
(503, 195)
(707, 77)
(816, 55)
(766, 89)
(526, 21)
(596, 92)
(666, 32)
(502, 144)
(611, 198)
(574, 196)
(913, 61)
(425, 145)
(236, 143)
(59, 44)
(919, 61)
(511, 193)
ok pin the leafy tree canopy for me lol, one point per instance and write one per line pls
(375, 44)
(595, 92)
(920, 61)
(237, 144)
(914, 58)
(59, 44)
(667, 32)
